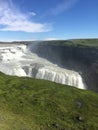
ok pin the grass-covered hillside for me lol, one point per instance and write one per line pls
(31, 104)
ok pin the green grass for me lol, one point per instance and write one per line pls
(86, 42)
(74, 42)
(31, 104)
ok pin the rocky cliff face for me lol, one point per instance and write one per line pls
(81, 58)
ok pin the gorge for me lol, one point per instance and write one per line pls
(63, 62)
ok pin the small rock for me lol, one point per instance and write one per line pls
(48, 125)
(80, 118)
(23, 87)
(79, 103)
(55, 125)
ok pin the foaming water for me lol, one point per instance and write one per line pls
(18, 60)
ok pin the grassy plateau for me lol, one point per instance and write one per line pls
(32, 104)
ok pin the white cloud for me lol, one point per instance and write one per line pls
(63, 6)
(13, 20)
(32, 13)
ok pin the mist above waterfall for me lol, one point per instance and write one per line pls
(20, 60)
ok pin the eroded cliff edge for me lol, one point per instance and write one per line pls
(79, 55)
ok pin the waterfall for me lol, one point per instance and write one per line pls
(18, 60)
(58, 75)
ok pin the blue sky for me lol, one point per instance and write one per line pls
(48, 19)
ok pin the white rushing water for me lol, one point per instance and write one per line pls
(18, 60)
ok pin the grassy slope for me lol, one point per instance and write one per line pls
(31, 104)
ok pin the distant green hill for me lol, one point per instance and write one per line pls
(88, 42)
(31, 104)
(74, 42)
